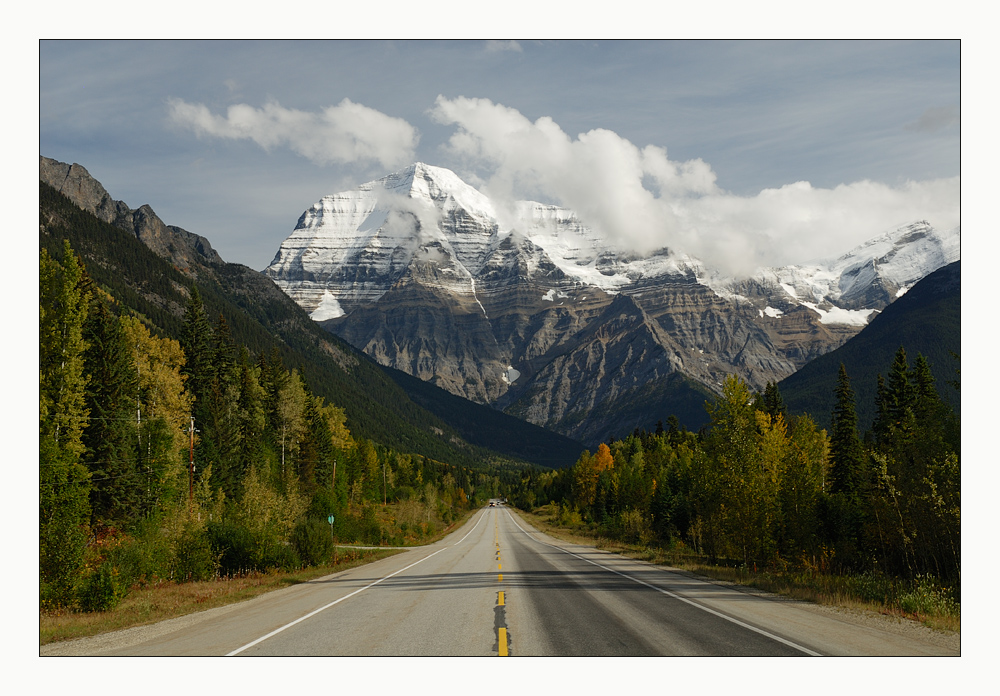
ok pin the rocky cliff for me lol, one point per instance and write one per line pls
(181, 247)
(544, 320)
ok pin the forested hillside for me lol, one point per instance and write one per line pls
(926, 320)
(262, 318)
(191, 425)
(761, 487)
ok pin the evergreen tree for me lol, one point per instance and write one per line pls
(846, 451)
(111, 436)
(899, 393)
(198, 344)
(64, 483)
(771, 403)
(252, 418)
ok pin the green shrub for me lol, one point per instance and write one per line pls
(313, 541)
(233, 545)
(928, 596)
(103, 589)
(240, 551)
(195, 558)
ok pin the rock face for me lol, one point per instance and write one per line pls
(545, 321)
(181, 247)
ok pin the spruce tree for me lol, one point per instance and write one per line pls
(771, 402)
(111, 436)
(899, 392)
(197, 343)
(846, 452)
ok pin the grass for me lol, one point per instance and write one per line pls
(167, 600)
(924, 600)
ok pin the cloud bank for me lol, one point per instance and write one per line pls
(641, 201)
(345, 133)
(636, 198)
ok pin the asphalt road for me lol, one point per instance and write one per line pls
(496, 587)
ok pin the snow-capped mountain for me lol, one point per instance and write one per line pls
(543, 318)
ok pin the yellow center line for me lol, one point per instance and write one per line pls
(502, 640)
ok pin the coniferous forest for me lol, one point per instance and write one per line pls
(164, 459)
(759, 488)
(180, 443)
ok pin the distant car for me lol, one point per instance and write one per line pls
(493, 504)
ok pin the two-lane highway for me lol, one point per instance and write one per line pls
(498, 587)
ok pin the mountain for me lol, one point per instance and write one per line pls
(149, 267)
(926, 320)
(539, 317)
(182, 248)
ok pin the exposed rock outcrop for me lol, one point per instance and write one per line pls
(184, 249)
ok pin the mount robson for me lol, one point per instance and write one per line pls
(545, 321)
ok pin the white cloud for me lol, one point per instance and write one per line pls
(494, 46)
(345, 133)
(640, 200)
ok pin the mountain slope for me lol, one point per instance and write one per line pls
(926, 320)
(262, 317)
(523, 309)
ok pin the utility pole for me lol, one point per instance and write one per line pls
(191, 432)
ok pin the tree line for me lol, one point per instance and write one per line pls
(760, 487)
(186, 459)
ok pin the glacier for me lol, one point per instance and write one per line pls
(350, 248)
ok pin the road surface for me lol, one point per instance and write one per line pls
(498, 587)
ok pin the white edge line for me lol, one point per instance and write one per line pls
(327, 606)
(481, 518)
(676, 596)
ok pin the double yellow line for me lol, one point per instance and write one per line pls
(501, 632)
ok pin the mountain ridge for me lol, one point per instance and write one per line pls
(434, 284)
(147, 279)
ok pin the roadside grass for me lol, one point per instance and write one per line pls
(161, 600)
(167, 599)
(924, 601)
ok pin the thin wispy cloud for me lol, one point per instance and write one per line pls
(345, 133)
(935, 119)
(494, 46)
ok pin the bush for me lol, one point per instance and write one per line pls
(233, 545)
(928, 597)
(195, 559)
(240, 551)
(103, 589)
(313, 541)
(633, 527)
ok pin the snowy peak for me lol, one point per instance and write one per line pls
(350, 247)
(899, 258)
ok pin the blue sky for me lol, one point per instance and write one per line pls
(871, 126)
